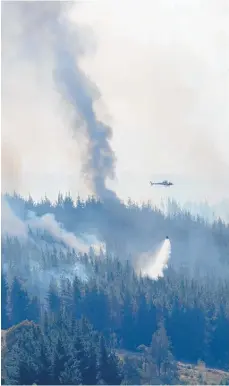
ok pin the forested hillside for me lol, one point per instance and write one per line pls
(85, 305)
(129, 229)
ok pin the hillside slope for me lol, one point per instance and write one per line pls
(9, 339)
(188, 373)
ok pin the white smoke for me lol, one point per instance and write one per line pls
(153, 265)
(13, 226)
(31, 268)
(97, 247)
(48, 223)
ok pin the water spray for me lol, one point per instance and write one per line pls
(153, 265)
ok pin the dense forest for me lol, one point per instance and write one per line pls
(129, 229)
(83, 308)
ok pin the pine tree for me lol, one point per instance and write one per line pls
(53, 298)
(159, 348)
(108, 367)
(76, 289)
(83, 351)
(71, 374)
(4, 295)
(59, 360)
(19, 303)
(161, 355)
(11, 365)
(34, 310)
(45, 376)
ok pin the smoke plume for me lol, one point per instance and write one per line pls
(13, 226)
(27, 260)
(48, 47)
(49, 224)
(165, 85)
(162, 71)
(75, 87)
(165, 82)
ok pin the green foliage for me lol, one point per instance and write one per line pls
(59, 358)
(195, 312)
(122, 307)
(4, 295)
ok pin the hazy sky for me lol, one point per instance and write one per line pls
(162, 69)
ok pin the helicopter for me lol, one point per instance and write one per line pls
(163, 183)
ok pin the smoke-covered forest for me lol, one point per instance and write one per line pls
(98, 290)
(53, 282)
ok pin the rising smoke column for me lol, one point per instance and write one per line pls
(80, 93)
(45, 34)
(100, 161)
(77, 90)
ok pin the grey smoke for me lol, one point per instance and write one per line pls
(29, 266)
(43, 32)
(100, 160)
(162, 73)
(13, 226)
(49, 224)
